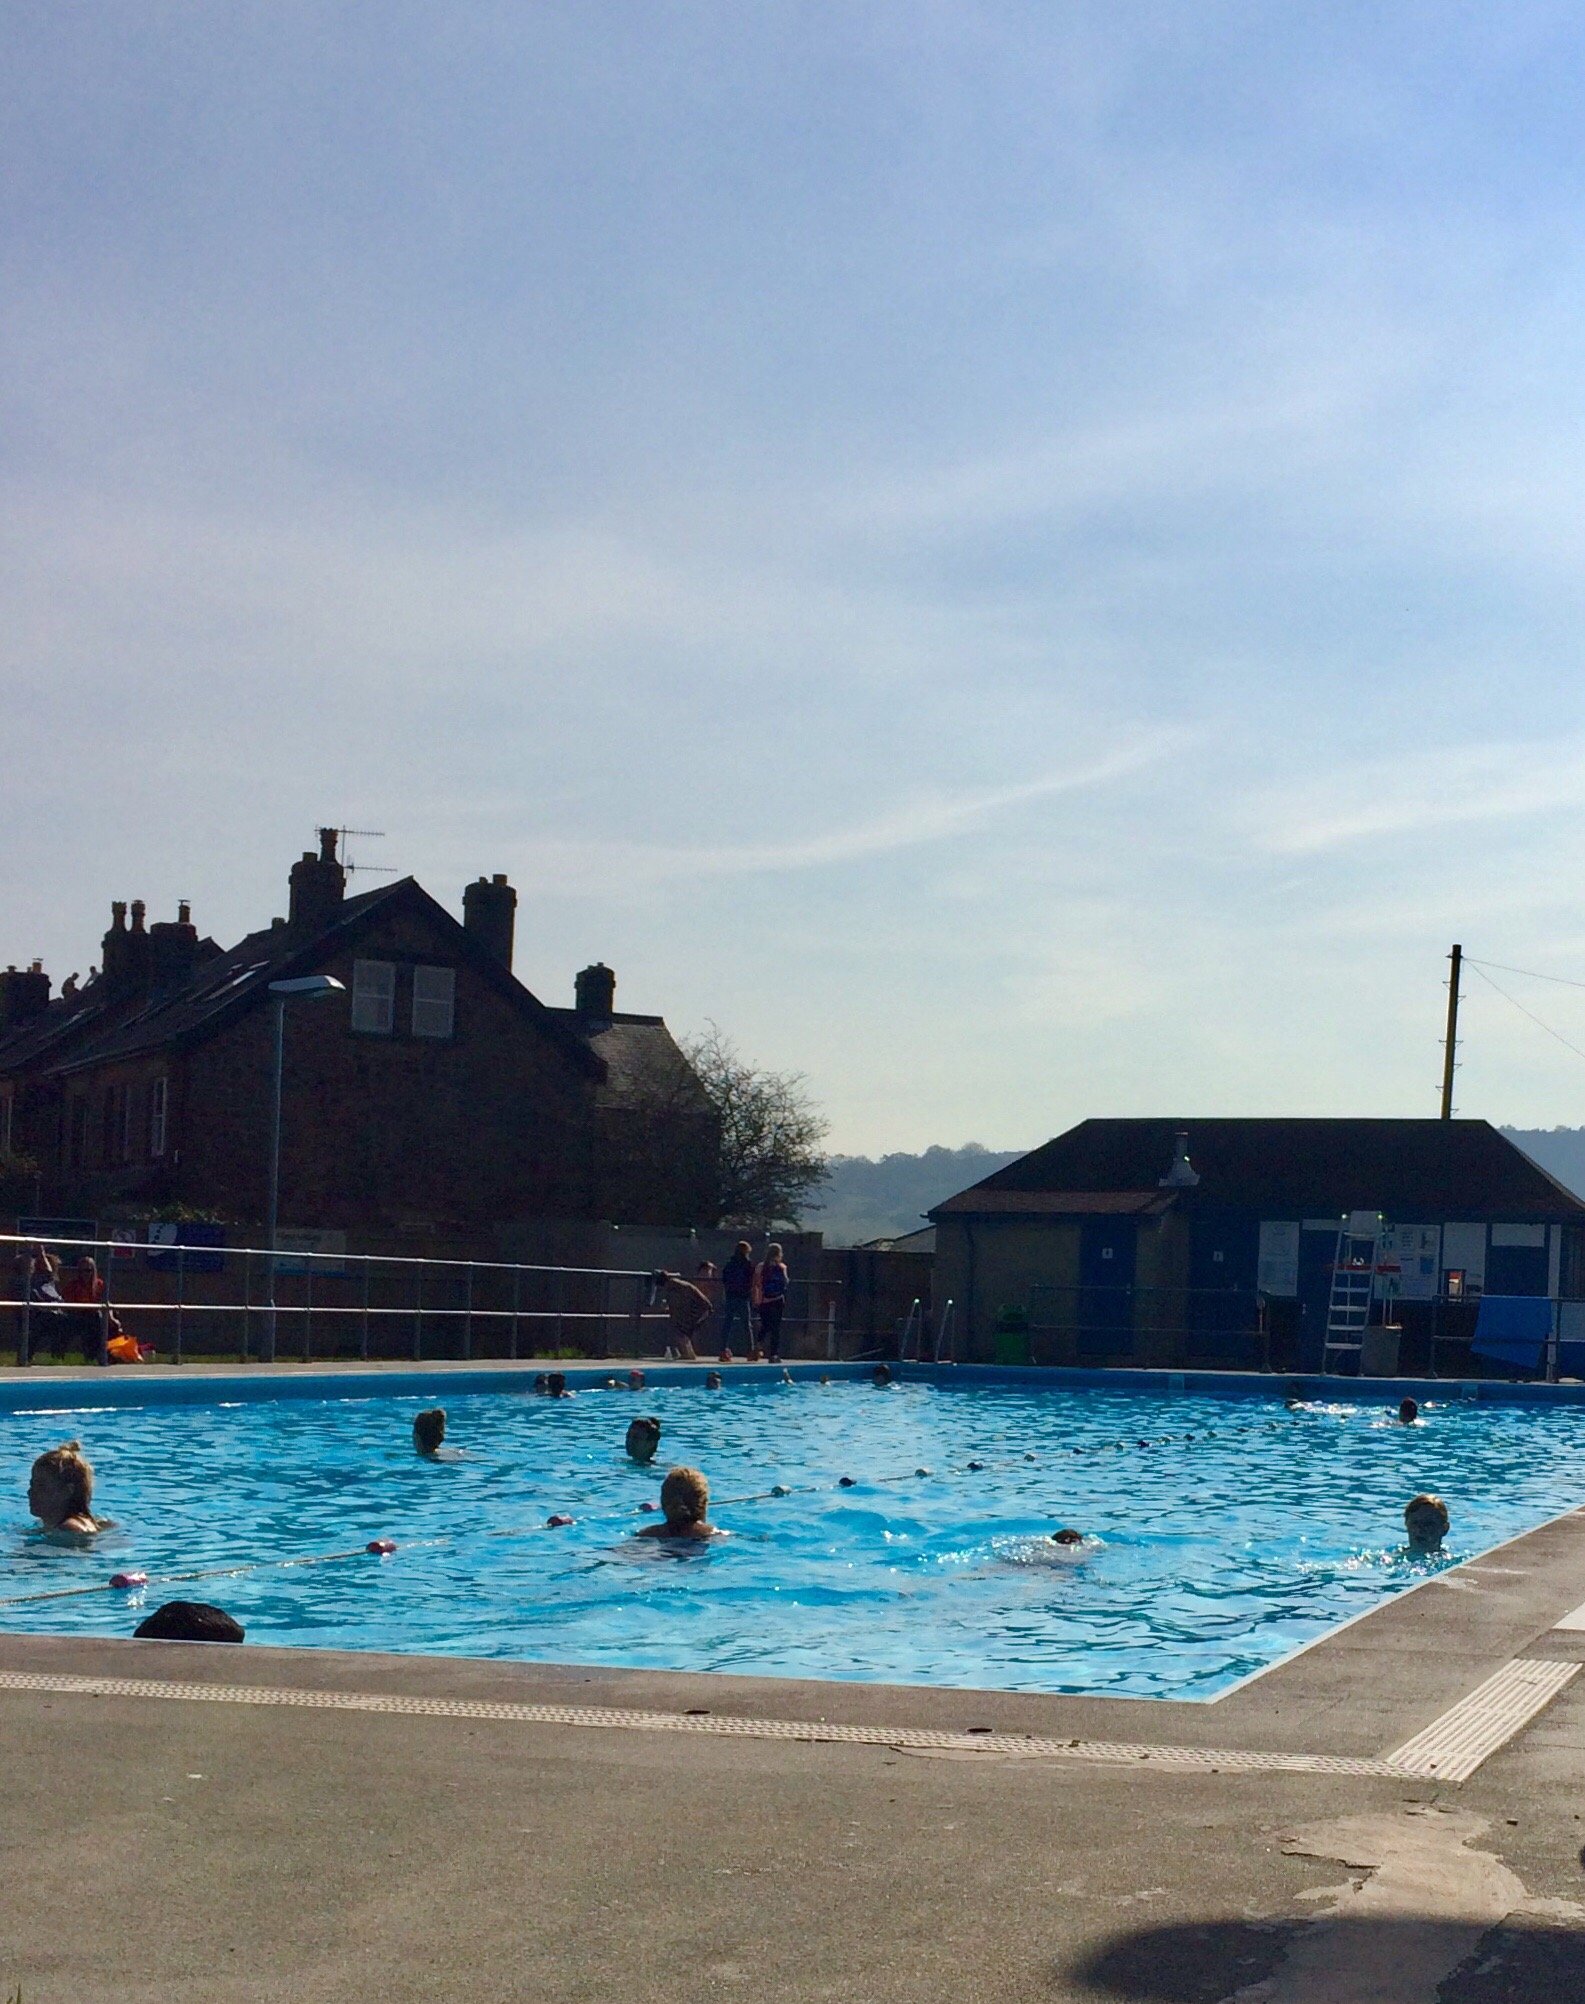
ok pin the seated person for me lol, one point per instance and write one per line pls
(61, 1493)
(688, 1307)
(429, 1430)
(685, 1502)
(83, 1287)
(1426, 1520)
(643, 1438)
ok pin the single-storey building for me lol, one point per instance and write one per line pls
(1171, 1242)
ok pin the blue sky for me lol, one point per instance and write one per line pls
(1025, 559)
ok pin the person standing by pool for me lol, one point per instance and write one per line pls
(687, 1305)
(737, 1289)
(61, 1494)
(685, 1501)
(771, 1283)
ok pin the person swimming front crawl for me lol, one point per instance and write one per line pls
(61, 1491)
(685, 1500)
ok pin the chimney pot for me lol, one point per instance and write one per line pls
(139, 909)
(489, 913)
(594, 993)
(184, 913)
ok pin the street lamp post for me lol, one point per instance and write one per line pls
(307, 988)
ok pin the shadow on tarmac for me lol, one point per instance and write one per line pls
(1518, 1962)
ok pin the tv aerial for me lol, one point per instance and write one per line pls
(362, 835)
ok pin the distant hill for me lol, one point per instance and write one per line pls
(868, 1199)
(1559, 1150)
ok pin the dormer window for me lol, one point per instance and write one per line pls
(434, 1001)
(373, 997)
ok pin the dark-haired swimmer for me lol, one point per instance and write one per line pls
(881, 1377)
(1408, 1413)
(643, 1438)
(1067, 1536)
(685, 1500)
(712, 1381)
(429, 1430)
(556, 1386)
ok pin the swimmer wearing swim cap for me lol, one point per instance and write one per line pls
(643, 1438)
(1426, 1520)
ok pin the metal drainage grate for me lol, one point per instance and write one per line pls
(1106, 1753)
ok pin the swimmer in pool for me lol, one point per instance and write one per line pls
(429, 1430)
(685, 1500)
(1066, 1536)
(643, 1439)
(556, 1386)
(61, 1493)
(881, 1377)
(1426, 1520)
(635, 1381)
(712, 1381)
(1408, 1413)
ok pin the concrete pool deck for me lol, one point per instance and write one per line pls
(258, 1823)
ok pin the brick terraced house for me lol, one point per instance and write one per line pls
(438, 1094)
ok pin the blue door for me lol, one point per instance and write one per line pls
(1106, 1287)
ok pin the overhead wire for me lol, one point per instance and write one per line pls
(1480, 969)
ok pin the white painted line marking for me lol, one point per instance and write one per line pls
(1452, 1747)
(1106, 1753)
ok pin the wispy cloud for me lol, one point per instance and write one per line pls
(581, 866)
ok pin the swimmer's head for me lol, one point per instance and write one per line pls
(61, 1485)
(540, 1384)
(555, 1383)
(1426, 1520)
(429, 1430)
(1067, 1536)
(635, 1381)
(712, 1381)
(685, 1497)
(881, 1375)
(643, 1438)
(1408, 1412)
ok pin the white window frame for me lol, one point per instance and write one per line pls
(157, 1106)
(373, 997)
(434, 1001)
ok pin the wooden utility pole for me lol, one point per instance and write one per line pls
(1455, 961)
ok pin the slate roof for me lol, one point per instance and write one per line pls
(1430, 1169)
(100, 1028)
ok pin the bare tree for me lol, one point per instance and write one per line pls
(770, 1160)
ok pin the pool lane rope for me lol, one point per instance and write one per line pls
(129, 1581)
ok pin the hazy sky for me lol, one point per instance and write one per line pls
(1025, 559)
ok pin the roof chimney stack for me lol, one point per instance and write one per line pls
(174, 948)
(594, 993)
(24, 994)
(489, 912)
(318, 885)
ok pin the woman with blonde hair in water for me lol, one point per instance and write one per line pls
(61, 1494)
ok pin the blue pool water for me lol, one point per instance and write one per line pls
(1208, 1557)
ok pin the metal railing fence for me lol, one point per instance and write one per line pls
(197, 1303)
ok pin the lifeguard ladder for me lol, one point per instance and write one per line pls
(1353, 1287)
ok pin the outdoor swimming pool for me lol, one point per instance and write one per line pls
(1223, 1532)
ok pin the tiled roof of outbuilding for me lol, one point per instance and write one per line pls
(1432, 1169)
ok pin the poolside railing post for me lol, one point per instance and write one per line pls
(25, 1328)
(363, 1344)
(247, 1300)
(104, 1312)
(561, 1302)
(604, 1337)
(1553, 1333)
(181, 1297)
(467, 1317)
(638, 1315)
(517, 1290)
(418, 1312)
(308, 1309)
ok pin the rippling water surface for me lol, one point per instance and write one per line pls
(1220, 1533)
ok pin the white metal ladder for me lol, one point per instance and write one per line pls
(1353, 1287)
